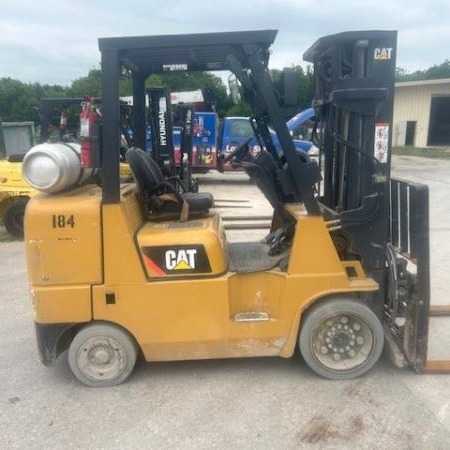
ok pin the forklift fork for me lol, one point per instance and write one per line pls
(408, 306)
(438, 366)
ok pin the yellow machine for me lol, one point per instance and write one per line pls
(124, 270)
(14, 195)
(169, 284)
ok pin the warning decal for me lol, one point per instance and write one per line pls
(381, 148)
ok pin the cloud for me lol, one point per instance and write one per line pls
(58, 42)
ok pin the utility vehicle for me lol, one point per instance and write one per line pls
(122, 270)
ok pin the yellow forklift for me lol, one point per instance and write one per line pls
(119, 271)
(14, 191)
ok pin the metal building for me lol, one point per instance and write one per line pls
(422, 113)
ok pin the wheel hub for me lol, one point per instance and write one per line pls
(101, 358)
(342, 342)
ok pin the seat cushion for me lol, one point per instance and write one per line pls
(199, 201)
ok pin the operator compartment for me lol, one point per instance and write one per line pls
(196, 247)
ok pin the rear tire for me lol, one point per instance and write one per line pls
(102, 354)
(341, 339)
(13, 216)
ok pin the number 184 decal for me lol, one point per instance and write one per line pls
(63, 221)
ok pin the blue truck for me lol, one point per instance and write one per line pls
(211, 138)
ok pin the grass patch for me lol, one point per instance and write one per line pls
(427, 152)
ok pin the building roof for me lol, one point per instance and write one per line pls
(421, 82)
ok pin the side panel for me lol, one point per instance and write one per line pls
(65, 304)
(63, 238)
(122, 264)
(313, 251)
(183, 249)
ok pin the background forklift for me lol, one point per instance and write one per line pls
(174, 166)
(15, 139)
(149, 270)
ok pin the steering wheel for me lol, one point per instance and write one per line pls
(239, 152)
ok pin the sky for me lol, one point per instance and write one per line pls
(56, 41)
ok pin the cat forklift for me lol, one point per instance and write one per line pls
(121, 271)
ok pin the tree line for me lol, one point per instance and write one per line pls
(21, 101)
(436, 72)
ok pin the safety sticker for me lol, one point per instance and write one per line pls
(381, 147)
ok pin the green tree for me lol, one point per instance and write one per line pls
(436, 72)
(87, 85)
(240, 109)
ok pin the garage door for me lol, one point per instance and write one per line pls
(439, 130)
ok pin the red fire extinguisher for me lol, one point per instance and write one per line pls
(88, 119)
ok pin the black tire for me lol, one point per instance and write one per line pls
(13, 216)
(102, 354)
(341, 339)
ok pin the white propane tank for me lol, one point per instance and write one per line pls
(54, 167)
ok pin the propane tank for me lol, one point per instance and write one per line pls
(54, 167)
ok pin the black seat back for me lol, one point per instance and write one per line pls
(263, 170)
(148, 175)
(159, 195)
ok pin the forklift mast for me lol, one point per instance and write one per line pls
(160, 119)
(185, 113)
(354, 74)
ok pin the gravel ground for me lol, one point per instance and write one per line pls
(226, 404)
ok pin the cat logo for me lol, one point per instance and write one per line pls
(176, 260)
(382, 54)
(183, 259)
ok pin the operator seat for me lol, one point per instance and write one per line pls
(160, 196)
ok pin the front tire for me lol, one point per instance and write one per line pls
(102, 355)
(341, 339)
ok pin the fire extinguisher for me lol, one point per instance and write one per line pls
(89, 118)
(63, 124)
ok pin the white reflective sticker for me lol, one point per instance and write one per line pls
(381, 147)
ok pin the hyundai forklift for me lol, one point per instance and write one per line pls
(121, 271)
(175, 166)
